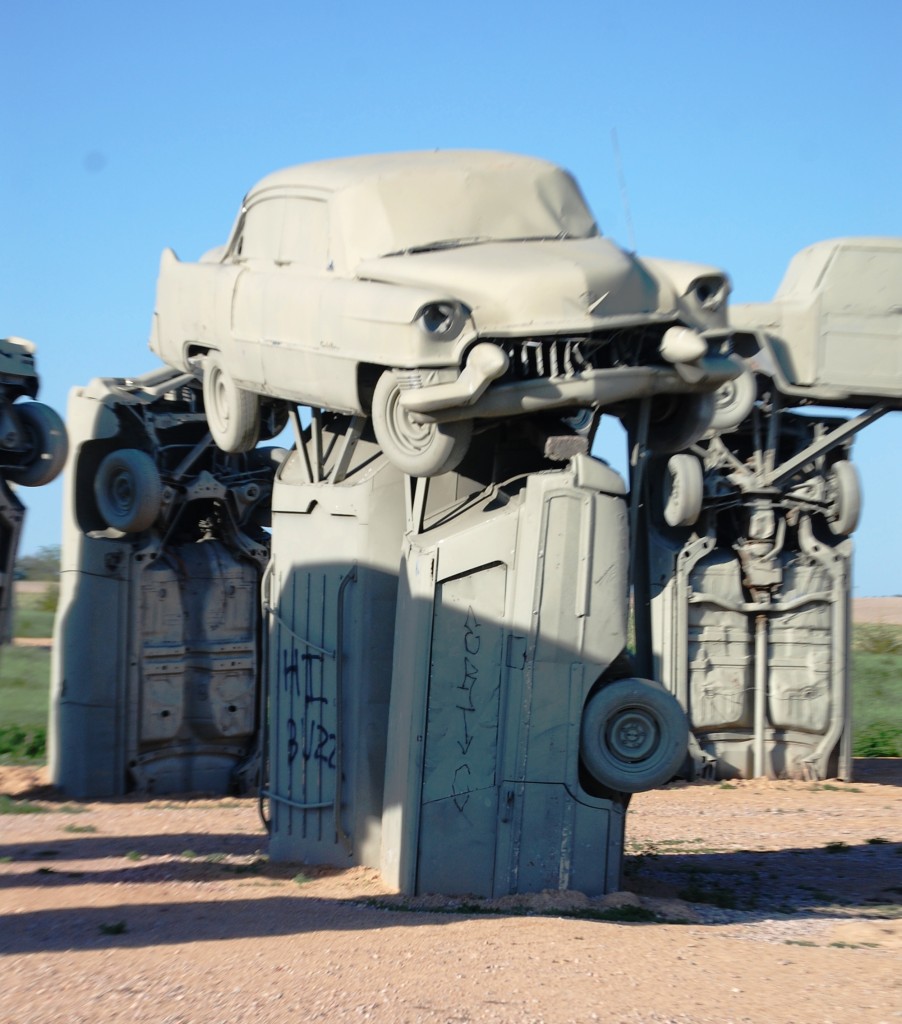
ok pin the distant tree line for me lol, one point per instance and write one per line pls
(44, 564)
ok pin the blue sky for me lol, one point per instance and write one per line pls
(746, 131)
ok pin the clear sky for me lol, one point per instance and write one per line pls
(746, 132)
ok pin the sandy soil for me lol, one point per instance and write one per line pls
(887, 610)
(774, 902)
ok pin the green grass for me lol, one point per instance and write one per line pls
(877, 638)
(877, 704)
(18, 744)
(9, 805)
(34, 613)
(24, 686)
(35, 623)
(25, 700)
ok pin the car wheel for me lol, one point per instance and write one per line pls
(48, 445)
(678, 421)
(683, 490)
(128, 490)
(233, 414)
(733, 401)
(633, 736)
(843, 498)
(420, 449)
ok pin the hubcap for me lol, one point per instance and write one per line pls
(414, 437)
(123, 492)
(632, 735)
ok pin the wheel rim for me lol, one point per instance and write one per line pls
(733, 401)
(122, 493)
(632, 735)
(413, 438)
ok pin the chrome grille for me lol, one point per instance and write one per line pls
(548, 358)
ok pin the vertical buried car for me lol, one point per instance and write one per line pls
(33, 449)
(431, 290)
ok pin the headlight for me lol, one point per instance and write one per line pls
(710, 292)
(443, 320)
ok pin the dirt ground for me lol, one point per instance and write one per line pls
(886, 610)
(765, 901)
(772, 902)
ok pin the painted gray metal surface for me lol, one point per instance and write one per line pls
(512, 608)
(329, 601)
(748, 623)
(417, 672)
(462, 688)
(155, 674)
(833, 331)
(33, 450)
(12, 516)
(430, 290)
(744, 576)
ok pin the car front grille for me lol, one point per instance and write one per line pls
(547, 357)
(562, 358)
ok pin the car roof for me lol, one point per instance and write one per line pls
(394, 203)
(347, 172)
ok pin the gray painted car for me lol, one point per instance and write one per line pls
(429, 290)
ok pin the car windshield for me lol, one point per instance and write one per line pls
(405, 212)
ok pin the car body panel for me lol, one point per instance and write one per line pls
(330, 266)
(833, 331)
(545, 287)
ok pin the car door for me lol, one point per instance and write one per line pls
(294, 361)
(254, 249)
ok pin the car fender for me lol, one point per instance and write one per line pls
(378, 323)
(193, 308)
(678, 279)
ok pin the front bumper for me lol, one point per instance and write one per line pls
(477, 393)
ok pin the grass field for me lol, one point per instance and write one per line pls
(35, 612)
(24, 702)
(876, 691)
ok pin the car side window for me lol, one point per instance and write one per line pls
(262, 231)
(305, 234)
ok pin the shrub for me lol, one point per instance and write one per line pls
(878, 740)
(17, 743)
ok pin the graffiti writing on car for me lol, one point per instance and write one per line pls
(472, 641)
(307, 733)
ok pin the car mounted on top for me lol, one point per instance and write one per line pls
(431, 290)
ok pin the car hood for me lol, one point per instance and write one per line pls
(536, 286)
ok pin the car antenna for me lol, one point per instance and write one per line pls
(624, 195)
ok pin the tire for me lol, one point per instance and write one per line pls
(843, 498)
(678, 421)
(733, 401)
(419, 449)
(633, 736)
(48, 445)
(233, 414)
(128, 490)
(683, 490)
